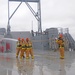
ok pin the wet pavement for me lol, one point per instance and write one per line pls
(44, 63)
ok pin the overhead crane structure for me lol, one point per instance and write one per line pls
(37, 14)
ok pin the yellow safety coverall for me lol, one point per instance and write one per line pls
(29, 50)
(18, 48)
(60, 42)
(23, 49)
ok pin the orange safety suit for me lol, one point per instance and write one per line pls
(61, 47)
(23, 49)
(29, 50)
(18, 48)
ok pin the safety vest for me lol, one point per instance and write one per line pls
(24, 46)
(30, 45)
(27, 45)
(18, 44)
(60, 42)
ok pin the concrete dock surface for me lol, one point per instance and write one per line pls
(44, 63)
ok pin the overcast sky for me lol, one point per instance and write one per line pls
(54, 13)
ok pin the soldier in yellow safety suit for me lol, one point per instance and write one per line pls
(18, 47)
(29, 49)
(23, 48)
(60, 42)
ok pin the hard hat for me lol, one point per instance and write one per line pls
(22, 39)
(19, 38)
(61, 35)
(27, 39)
